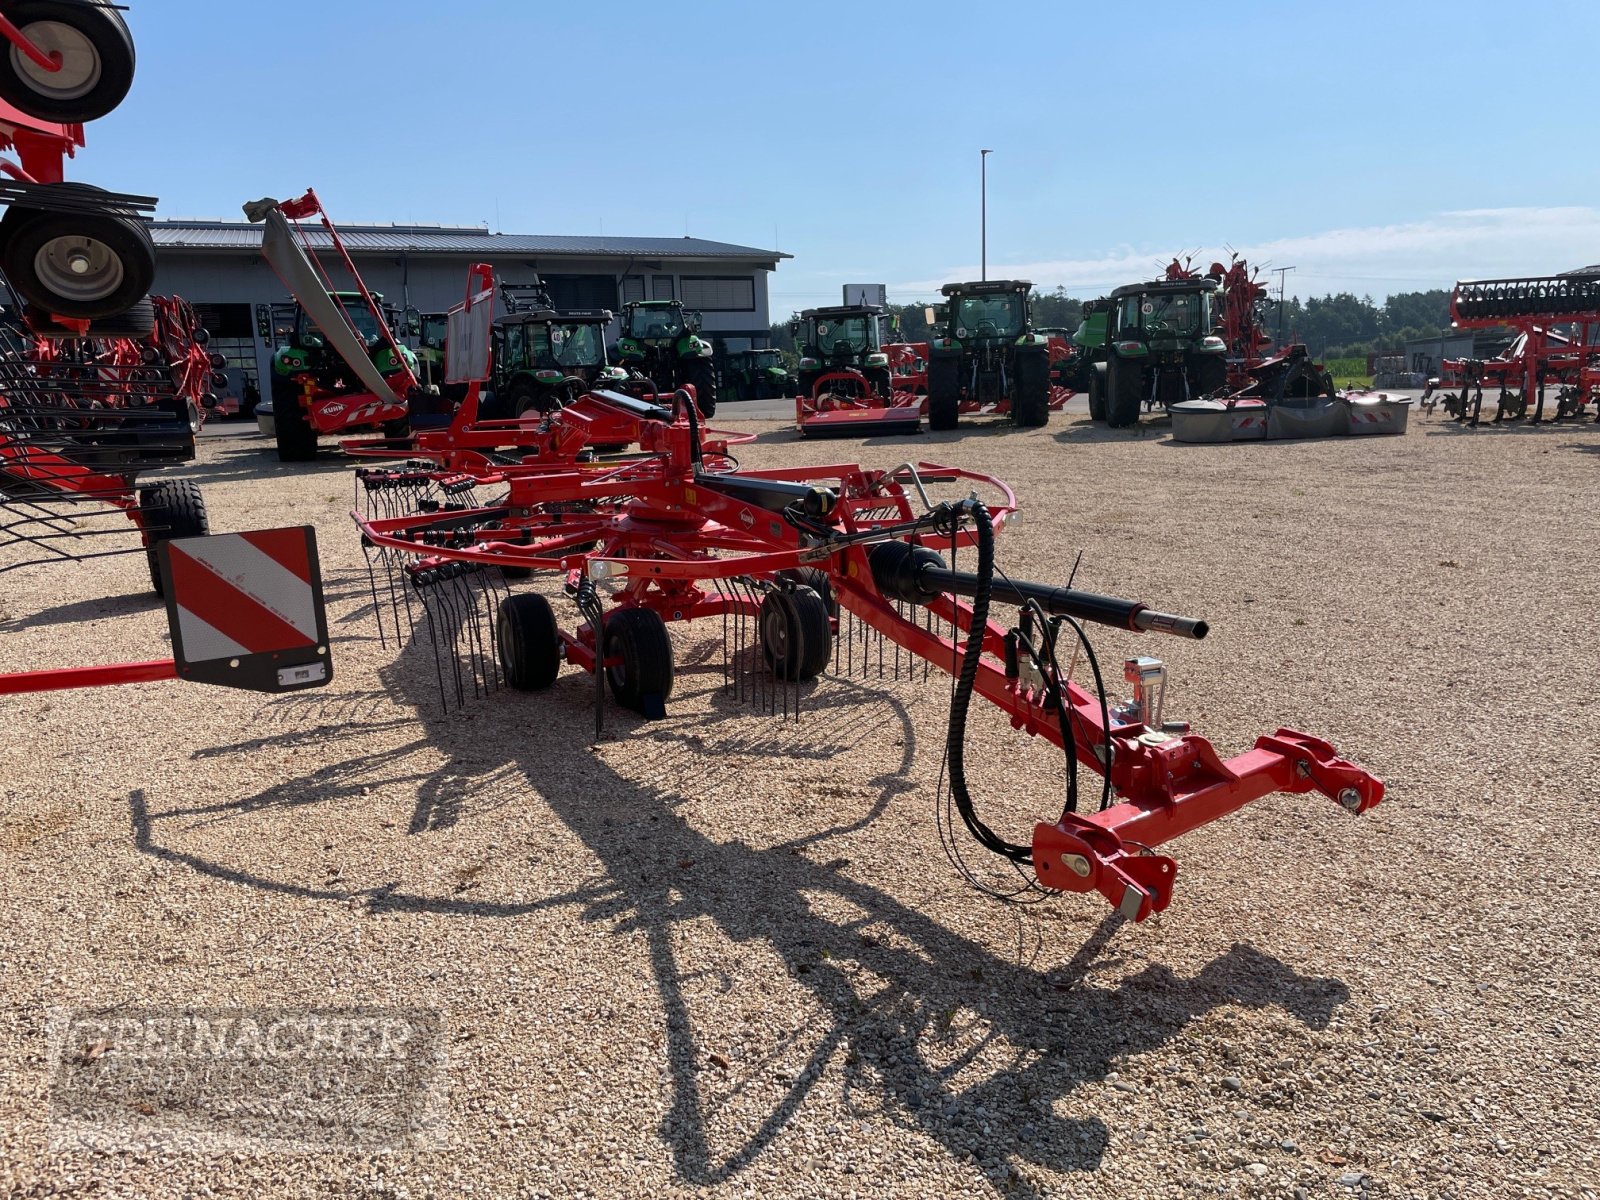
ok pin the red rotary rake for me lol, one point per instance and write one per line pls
(834, 568)
(1557, 319)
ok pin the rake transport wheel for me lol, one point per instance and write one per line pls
(639, 637)
(1030, 403)
(96, 53)
(1097, 392)
(138, 323)
(817, 580)
(944, 393)
(297, 440)
(528, 641)
(1124, 391)
(796, 635)
(173, 508)
(701, 374)
(81, 265)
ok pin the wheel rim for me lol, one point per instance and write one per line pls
(78, 268)
(80, 61)
(775, 634)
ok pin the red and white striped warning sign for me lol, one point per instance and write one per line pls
(244, 593)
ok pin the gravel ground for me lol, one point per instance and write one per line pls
(723, 955)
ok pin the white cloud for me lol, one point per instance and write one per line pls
(1484, 243)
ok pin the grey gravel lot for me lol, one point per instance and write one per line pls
(722, 955)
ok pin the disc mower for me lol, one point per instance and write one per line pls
(986, 357)
(1557, 319)
(833, 569)
(342, 367)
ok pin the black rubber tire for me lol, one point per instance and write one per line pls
(1097, 392)
(882, 382)
(701, 374)
(944, 394)
(1030, 390)
(1209, 374)
(173, 508)
(639, 636)
(796, 635)
(1124, 393)
(297, 440)
(138, 323)
(24, 232)
(524, 397)
(528, 641)
(112, 45)
(817, 580)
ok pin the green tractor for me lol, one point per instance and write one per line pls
(1156, 344)
(757, 375)
(311, 381)
(845, 340)
(545, 358)
(660, 343)
(985, 355)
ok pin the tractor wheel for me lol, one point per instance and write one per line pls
(944, 393)
(528, 641)
(639, 637)
(524, 397)
(1124, 393)
(173, 508)
(701, 375)
(80, 265)
(1030, 391)
(297, 440)
(796, 635)
(882, 383)
(97, 61)
(1097, 392)
(1208, 375)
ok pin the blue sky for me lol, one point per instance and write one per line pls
(1353, 141)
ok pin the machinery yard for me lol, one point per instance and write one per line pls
(721, 953)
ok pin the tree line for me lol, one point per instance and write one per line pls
(1340, 325)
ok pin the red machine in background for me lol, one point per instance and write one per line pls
(1557, 322)
(1239, 316)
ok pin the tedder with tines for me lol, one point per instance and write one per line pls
(1557, 322)
(839, 569)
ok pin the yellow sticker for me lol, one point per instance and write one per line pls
(689, 497)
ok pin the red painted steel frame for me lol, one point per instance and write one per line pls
(663, 532)
(85, 677)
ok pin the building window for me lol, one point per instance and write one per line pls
(632, 289)
(719, 293)
(582, 291)
(661, 287)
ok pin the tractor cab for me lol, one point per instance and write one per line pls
(990, 312)
(543, 357)
(1164, 315)
(656, 323)
(307, 336)
(846, 337)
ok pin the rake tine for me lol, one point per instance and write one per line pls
(377, 609)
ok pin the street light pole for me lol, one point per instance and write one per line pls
(983, 174)
(1282, 273)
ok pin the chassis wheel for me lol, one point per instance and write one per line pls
(137, 323)
(81, 265)
(796, 635)
(1030, 390)
(297, 440)
(644, 678)
(173, 508)
(97, 60)
(701, 374)
(1124, 392)
(528, 641)
(524, 397)
(944, 393)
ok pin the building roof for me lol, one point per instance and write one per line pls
(455, 240)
